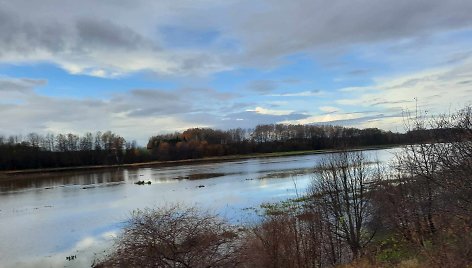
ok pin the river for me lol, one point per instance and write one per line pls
(45, 219)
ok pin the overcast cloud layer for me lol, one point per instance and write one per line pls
(142, 67)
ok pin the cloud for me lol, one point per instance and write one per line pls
(263, 86)
(187, 38)
(136, 114)
(387, 100)
(140, 113)
(273, 29)
(434, 89)
(356, 89)
(103, 33)
(249, 119)
(364, 119)
(161, 103)
(25, 37)
(14, 91)
(308, 93)
(358, 72)
(92, 41)
(329, 109)
(325, 118)
(113, 38)
(261, 110)
(21, 85)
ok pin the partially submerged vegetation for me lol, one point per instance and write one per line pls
(285, 173)
(416, 212)
(142, 182)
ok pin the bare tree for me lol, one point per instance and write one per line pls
(341, 189)
(175, 237)
(34, 139)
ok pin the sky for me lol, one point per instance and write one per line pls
(146, 67)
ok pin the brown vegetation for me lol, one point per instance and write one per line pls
(175, 237)
(206, 142)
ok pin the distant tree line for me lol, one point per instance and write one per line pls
(205, 142)
(108, 148)
(66, 150)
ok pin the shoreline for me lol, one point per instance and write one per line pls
(12, 174)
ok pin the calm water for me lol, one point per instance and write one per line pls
(45, 219)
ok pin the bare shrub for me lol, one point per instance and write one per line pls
(175, 237)
(291, 238)
(405, 205)
(453, 248)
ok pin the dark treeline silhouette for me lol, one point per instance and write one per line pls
(204, 142)
(66, 150)
(107, 148)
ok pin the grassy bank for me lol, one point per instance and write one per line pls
(13, 174)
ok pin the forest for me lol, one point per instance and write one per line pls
(35, 151)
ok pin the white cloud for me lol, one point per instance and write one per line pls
(261, 110)
(356, 89)
(384, 103)
(329, 109)
(326, 118)
(435, 90)
(299, 94)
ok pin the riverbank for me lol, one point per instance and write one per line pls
(14, 174)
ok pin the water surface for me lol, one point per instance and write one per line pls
(44, 219)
